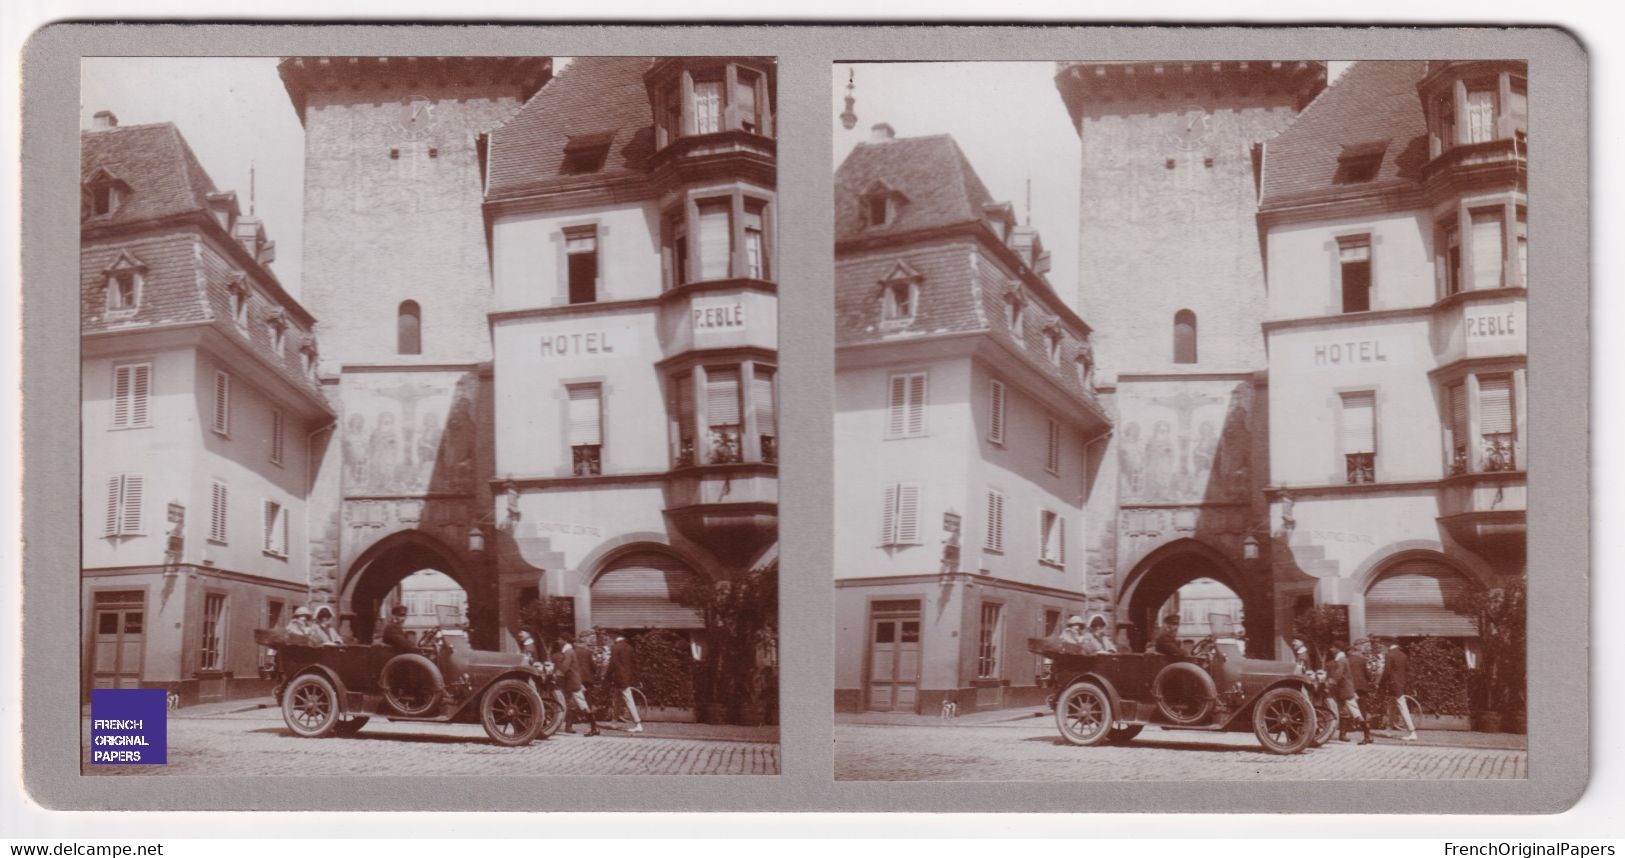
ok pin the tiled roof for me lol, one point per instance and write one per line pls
(1374, 103)
(938, 186)
(593, 96)
(163, 175)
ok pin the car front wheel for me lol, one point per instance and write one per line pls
(1284, 721)
(1084, 714)
(511, 712)
(310, 706)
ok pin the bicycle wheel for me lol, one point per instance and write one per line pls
(622, 714)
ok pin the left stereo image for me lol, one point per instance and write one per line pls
(484, 453)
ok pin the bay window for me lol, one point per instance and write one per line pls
(717, 235)
(723, 414)
(696, 96)
(715, 239)
(1483, 431)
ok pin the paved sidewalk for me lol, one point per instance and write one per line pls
(1027, 718)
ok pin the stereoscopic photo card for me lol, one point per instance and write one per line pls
(1149, 409)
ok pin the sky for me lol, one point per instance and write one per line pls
(235, 115)
(1009, 120)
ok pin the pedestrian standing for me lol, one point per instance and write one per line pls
(623, 674)
(1340, 682)
(1360, 671)
(1396, 682)
(569, 666)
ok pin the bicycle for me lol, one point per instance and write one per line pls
(618, 710)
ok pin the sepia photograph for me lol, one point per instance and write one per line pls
(430, 410)
(1180, 420)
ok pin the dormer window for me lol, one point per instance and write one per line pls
(1052, 342)
(124, 283)
(307, 360)
(102, 200)
(586, 153)
(276, 329)
(878, 210)
(1085, 365)
(881, 204)
(103, 192)
(1475, 102)
(899, 296)
(1015, 308)
(695, 96)
(237, 291)
(1359, 162)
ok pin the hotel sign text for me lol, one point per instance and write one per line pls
(1351, 352)
(577, 344)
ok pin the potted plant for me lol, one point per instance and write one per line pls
(1499, 616)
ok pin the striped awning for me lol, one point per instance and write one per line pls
(1415, 598)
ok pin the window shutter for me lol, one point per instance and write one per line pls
(753, 242)
(270, 523)
(222, 403)
(121, 395)
(745, 97)
(140, 387)
(684, 386)
(1487, 249)
(1060, 540)
(1359, 434)
(897, 413)
(995, 521)
(585, 415)
(132, 505)
(217, 512)
(1053, 460)
(722, 397)
(282, 517)
(1458, 413)
(888, 517)
(763, 402)
(908, 515)
(114, 487)
(276, 437)
(916, 405)
(995, 430)
(715, 243)
(1495, 405)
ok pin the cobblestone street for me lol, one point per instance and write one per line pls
(1031, 749)
(258, 743)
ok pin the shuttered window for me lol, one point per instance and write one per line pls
(222, 403)
(1523, 247)
(218, 500)
(994, 540)
(1359, 422)
(755, 243)
(1418, 597)
(1354, 264)
(905, 411)
(132, 385)
(1495, 422)
(211, 652)
(900, 519)
(647, 590)
(987, 640)
(276, 529)
(1480, 115)
(995, 428)
(682, 406)
(715, 244)
(707, 106)
(1052, 454)
(1051, 537)
(1486, 249)
(745, 101)
(585, 414)
(123, 505)
(276, 436)
(1458, 429)
(722, 413)
(581, 263)
(764, 402)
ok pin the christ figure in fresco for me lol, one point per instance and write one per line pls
(1159, 462)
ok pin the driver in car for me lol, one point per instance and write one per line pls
(395, 632)
(1167, 641)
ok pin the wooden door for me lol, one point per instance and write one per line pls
(119, 632)
(894, 663)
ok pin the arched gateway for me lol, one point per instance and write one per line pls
(1161, 574)
(384, 564)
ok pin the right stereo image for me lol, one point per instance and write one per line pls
(1180, 420)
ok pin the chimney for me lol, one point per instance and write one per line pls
(882, 132)
(102, 120)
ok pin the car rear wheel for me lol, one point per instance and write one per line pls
(310, 706)
(1084, 714)
(511, 712)
(1325, 722)
(1284, 721)
(1124, 735)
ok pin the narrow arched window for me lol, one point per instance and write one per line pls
(1184, 337)
(409, 329)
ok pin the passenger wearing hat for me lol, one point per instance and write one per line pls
(395, 631)
(1075, 633)
(1098, 630)
(324, 632)
(300, 631)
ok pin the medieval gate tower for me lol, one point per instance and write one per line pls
(397, 271)
(1171, 274)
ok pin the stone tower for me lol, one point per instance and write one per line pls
(397, 273)
(1171, 275)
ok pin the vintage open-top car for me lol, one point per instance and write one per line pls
(1111, 697)
(334, 689)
